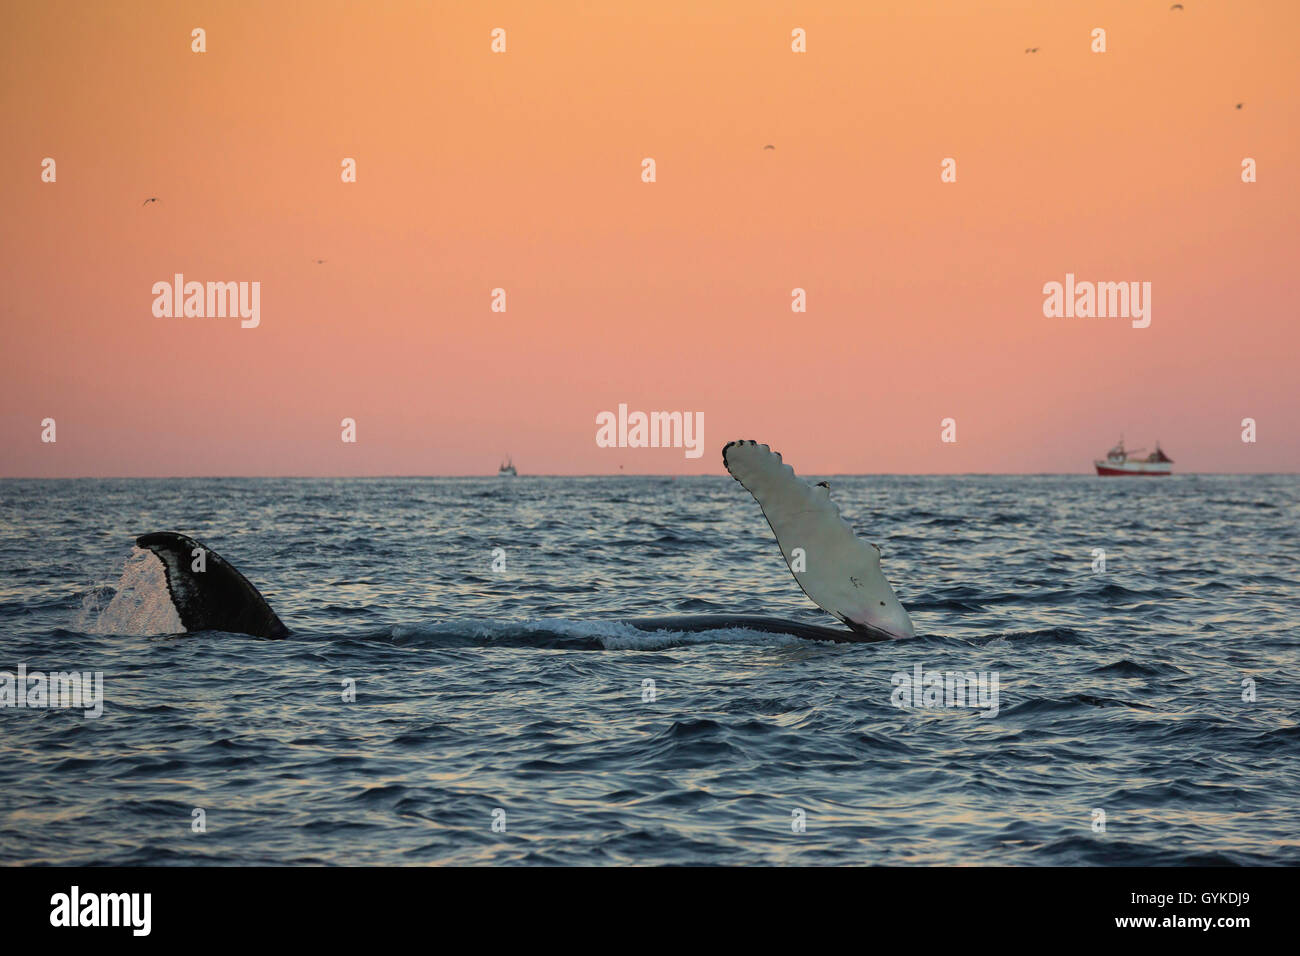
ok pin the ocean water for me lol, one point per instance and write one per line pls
(515, 696)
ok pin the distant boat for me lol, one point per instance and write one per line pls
(1121, 461)
(507, 469)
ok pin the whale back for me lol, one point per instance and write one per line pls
(216, 598)
(839, 572)
(695, 623)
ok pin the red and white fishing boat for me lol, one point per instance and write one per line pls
(1121, 461)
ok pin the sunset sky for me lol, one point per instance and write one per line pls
(522, 170)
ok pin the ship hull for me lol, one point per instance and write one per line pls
(1133, 469)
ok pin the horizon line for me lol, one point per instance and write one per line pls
(620, 474)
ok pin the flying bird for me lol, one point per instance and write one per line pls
(149, 200)
(1176, 6)
(1031, 49)
(1240, 105)
(769, 146)
(318, 261)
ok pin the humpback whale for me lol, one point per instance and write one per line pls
(837, 571)
(216, 598)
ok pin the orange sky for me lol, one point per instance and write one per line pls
(522, 170)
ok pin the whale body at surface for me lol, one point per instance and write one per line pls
(840, 573)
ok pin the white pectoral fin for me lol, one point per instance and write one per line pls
(838, 571)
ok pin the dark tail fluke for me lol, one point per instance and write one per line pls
(216, 598)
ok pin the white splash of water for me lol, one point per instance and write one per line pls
(140, 604)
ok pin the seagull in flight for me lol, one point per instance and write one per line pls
(149, 200)
(318, 261)
(1031, 49)
(1240, 105)
(769, 146)
(1176, 6)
